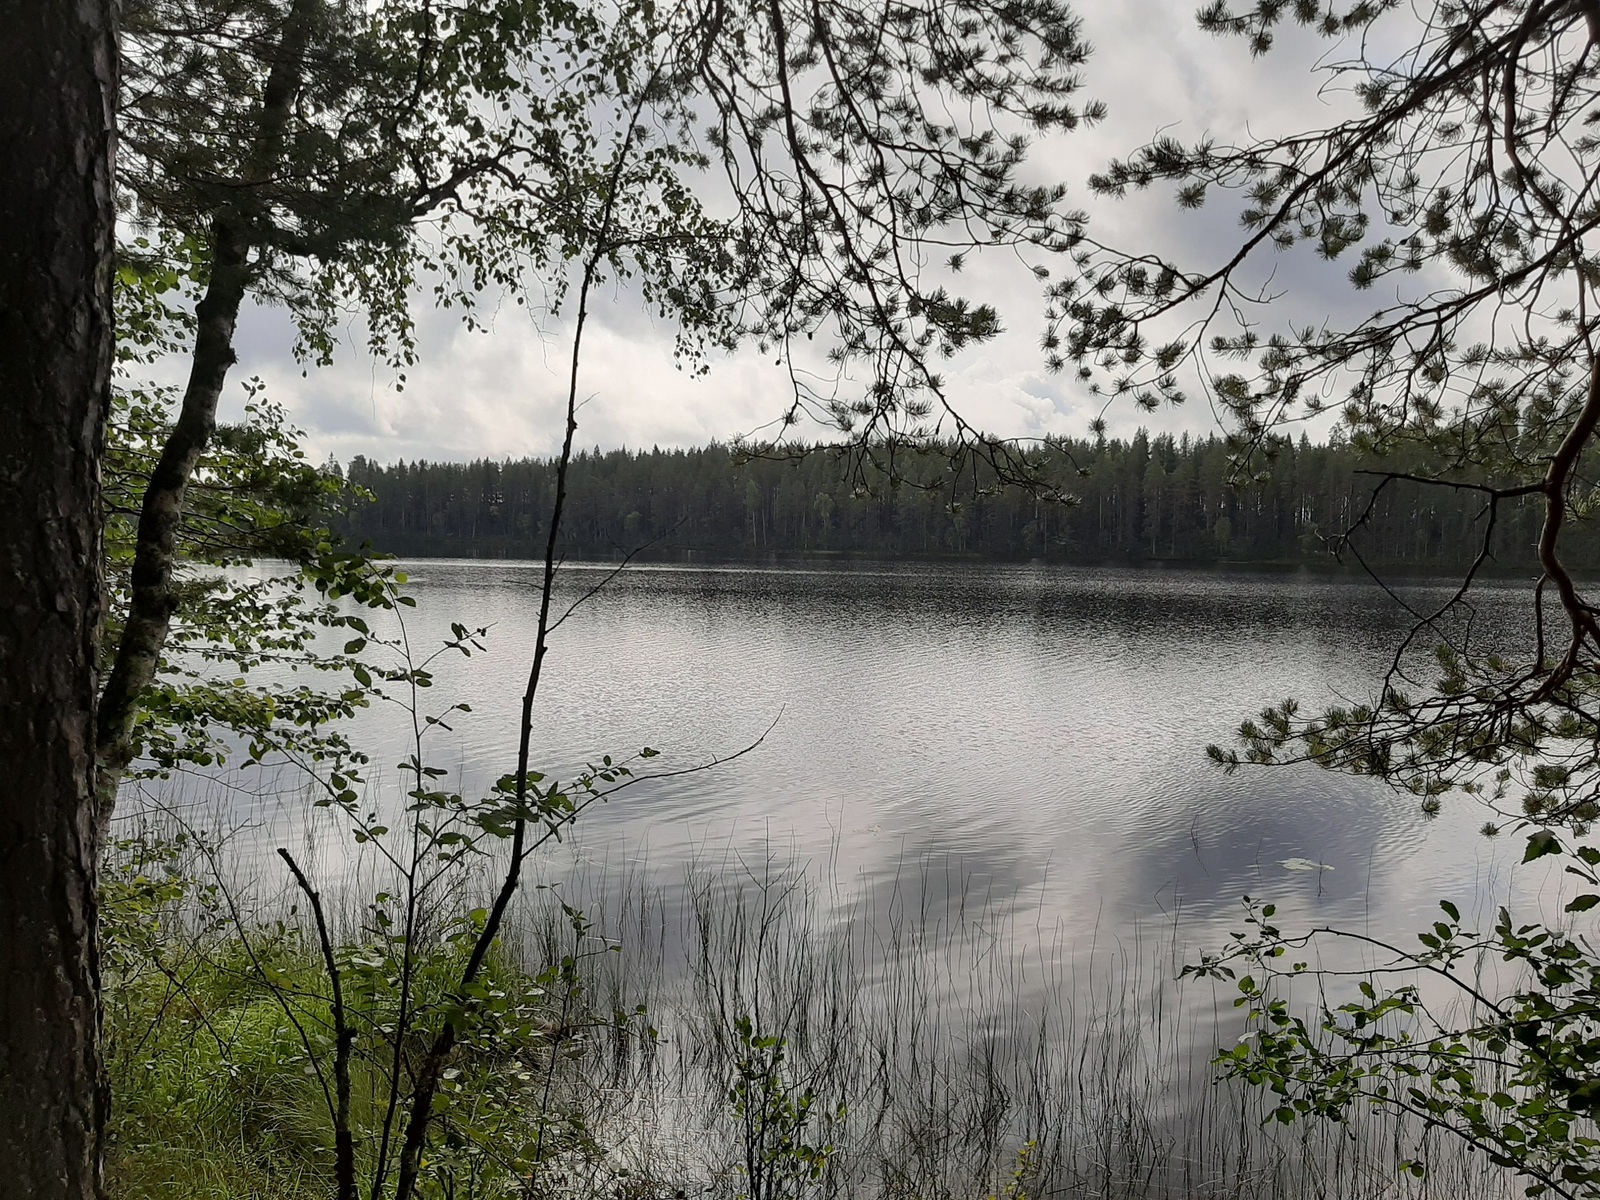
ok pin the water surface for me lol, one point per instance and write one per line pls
(979, 796)
(1039, 731)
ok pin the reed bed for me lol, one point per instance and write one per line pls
(972, 1051)
(934, 1039)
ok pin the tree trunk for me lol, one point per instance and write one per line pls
(153, 601)
(234, 233)
(57, 91)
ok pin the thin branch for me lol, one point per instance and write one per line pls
(344, 1149)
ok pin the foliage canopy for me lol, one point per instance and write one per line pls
(1460, 185)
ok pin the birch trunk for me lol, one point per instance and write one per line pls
(235, 235)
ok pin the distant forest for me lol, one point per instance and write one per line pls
(1151, 498)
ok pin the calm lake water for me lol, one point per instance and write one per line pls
(982, 804)
(1035, 734)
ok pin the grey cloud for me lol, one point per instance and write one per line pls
(499, 393)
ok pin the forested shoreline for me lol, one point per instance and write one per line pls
(1145, 499)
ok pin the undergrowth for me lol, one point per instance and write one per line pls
(808, 1053)
(219, 1036)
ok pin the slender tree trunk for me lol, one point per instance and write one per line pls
(153, 601)
(234, 233)
(57, 91)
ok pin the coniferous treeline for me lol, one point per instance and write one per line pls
(1148, 498)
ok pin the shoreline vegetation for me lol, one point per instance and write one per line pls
(805, 1049)
(1155, 500)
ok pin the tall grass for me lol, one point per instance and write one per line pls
(963, 1042)
(220, 1041)
(949, 1048)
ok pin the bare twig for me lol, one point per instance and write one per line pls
(344, 1149)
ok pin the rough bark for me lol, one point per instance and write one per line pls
(235, 233)
(57, 90)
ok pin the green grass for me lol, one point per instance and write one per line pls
(220, 1038)
(968, 1064)
(210, 1092)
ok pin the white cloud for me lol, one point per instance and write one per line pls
(499, 393)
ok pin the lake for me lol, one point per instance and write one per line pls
(1041, 729)
(976, 797)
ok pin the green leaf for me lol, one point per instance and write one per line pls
(1540, 844)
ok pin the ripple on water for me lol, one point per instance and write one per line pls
(1043, 727)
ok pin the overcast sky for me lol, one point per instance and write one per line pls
(498, 394)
